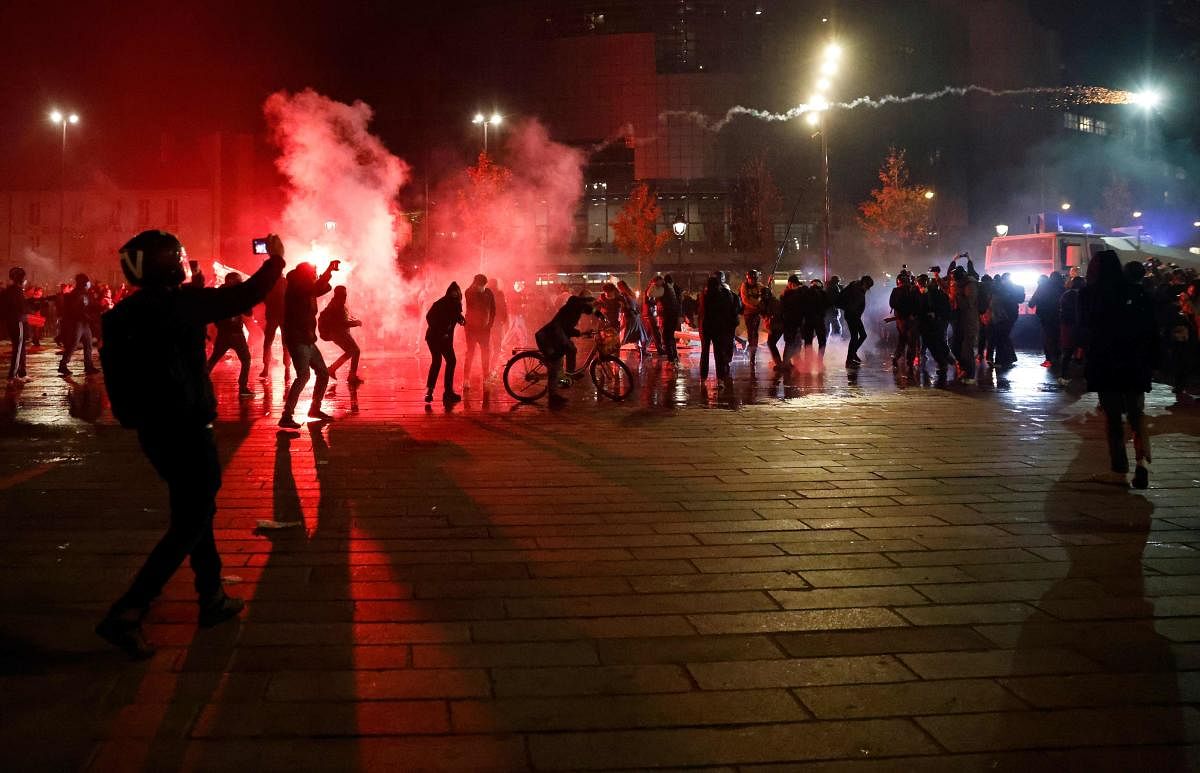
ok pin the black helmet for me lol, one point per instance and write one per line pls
(16, 274)
(153, 258)
(753, 273)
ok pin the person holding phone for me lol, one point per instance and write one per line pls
(154, 371)
(300, 338)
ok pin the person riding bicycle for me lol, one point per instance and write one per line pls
(554, 338)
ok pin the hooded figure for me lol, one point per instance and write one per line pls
(300, 337)
(14, 313)
(443, 315)
(1121, 342)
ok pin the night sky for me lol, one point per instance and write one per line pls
(153, 67)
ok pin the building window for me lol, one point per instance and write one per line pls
(143, 216)
(172, 211)
(35, 213)
(1100, 127)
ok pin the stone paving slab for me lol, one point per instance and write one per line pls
(836, 576)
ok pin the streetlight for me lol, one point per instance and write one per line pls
(57, 117)
(1147, 99)
(818, 105)
(1066, 206)
(929, 195)
(480, 120)
(1137, 215)
(679, 228)
(1001, 230)
(1196, 224)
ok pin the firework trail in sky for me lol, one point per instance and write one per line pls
(1060, 96)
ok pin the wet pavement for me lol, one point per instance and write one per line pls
(830, 571)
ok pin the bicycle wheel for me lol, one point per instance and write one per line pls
(526, 377)
(612, 378)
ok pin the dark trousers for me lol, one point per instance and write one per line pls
(440, 353)
(1002, 333)
(269, 330)
(306, 357)
(669, 326)
(906, 341)
(239, 346)
(774, 333)
(481, 338)
(816, 329)
(350, 350)
(933, 338)
(753, 321)
(722, 352)
(186, 458)
(1051, 345)
(858, 334)
(75, 334)
(791, 344)
(1131, 406)
(17, 333)
(651, 321)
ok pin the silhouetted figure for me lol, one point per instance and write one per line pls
(157, 382)
(718, 317)
(334, 325)
(273, 321)
(854, 305)
(78, 309)
(300, 337)
(751, 293)
(231, 335)
(481, 317)
(14, 314)
(443, 315)
(554, 340)
(1045, 305)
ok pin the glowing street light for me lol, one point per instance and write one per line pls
(823, 84)
(58, 118)
(1001, 230)
(831, 56)
(929, 195)
(1137, 213)
(833, 52)
(1147, 99)
(1066, 206)
(829, 67)
(1196, 224)
(480, 120)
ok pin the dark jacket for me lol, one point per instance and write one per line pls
(335, 319)
(481, 308)
(443, 315)
(669, 306)
(154, 360)
(904, 301)
(78, 306)
(816, 303)
(792, 307)
(14, 307)
(1120, 333)
(1045, 301)
(566, 318)
(854, 299)
(719, 309)
(300, 307)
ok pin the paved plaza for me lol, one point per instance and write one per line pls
(828, 573)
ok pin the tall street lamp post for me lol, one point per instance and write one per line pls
(819, 104)
(679, 228)
(57, 117)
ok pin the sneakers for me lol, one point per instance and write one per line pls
(317, 413)
(287, 422)
(429, 396)
(125, 635)
(1046, 363)
(451, 397)
(63, 370)
(1141, 477)
(218, 609)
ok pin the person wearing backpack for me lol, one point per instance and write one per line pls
(157, 381)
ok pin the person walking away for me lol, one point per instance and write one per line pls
(669, 310)
(334, 324)
(1120, 337)
(718, 321)
(14, 314)
(1006, 305)
(273, 306)
(443, 315)
(751, 293)
(854, 304)
(300, 337)
(78, 309)
(1045, 305)
(481, 316)
(966, 321)
(554, 340)
(833, 293)
(771, 312)
(933, 315)
(816, 310)
(230, 335)
(155, 375)
(793, 309)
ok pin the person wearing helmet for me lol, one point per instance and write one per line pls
(231, 335)
(154, 371)
(78, 310)
(14, 313)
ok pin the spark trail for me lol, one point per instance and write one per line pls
(1065, 95)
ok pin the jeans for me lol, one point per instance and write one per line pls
(858, 334)
(669, 326)
(933, 338)
(1132, 405)
(441, 353)
(304, 357)
(269, 329)
(774, 333)
(481, 338)
(186, 458)
(753, 321)
(240, 348)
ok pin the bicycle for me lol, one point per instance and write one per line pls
(527, 374)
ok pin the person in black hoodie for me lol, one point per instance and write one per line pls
(718, 317)
(443, 315)
(1121, 338)
(1045, 304)
(669, 310)
(335, 324)
(905, 301)
(554, 339)
(157, 381)
(14, 310)
(78, 310)
(792, 308)
(231, 336)
(272, 322)
(816, 309)
(300, 337)
(854, 304)
(933, 315)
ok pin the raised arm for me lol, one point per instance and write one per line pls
(209, 304)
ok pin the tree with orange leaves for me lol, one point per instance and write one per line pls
(634, 228)
(897, 215)
(476, 205)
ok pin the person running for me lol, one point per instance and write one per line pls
(14, 315)
(153, 358)
(334, 324)
(443, 315)
(554, 340)
(231, 335)
(1121, 338)
(300, 337)
(481, 317)
(78, 309)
